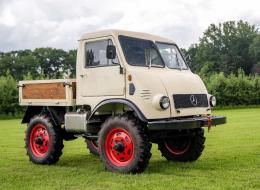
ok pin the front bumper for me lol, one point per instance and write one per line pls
(186, 123)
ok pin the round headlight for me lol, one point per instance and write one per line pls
(212, 101)
(164, 102)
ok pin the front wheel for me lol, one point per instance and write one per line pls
(43, 141)
(184, 148)
(124, 146)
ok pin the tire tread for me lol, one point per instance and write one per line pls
(55, 131)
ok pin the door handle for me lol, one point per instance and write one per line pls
(82, 75)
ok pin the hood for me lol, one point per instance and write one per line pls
(153, 82)
(181, 85)
(182, 82)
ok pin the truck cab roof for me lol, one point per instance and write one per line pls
(116, 33)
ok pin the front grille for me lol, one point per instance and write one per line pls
(190, 100)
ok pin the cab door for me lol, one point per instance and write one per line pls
(100, 76)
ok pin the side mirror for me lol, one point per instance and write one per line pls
(111, 52)
(185, 55)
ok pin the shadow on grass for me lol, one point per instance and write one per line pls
(79, 160)
(209, 161)
(162, 166)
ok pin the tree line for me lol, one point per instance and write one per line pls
(226, 47)
(227, 57)
(41, 63)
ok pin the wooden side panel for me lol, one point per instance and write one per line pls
(44, 91)
(74, 90)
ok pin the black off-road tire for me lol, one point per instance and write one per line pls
(92, 146)
(191, 151)
(141, 147)
(55, 143)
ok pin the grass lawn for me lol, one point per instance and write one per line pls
(231, 160)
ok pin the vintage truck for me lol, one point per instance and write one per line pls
(131, 89)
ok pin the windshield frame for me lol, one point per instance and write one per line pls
(155, 47)
(168, 43)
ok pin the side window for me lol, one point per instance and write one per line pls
(96, 54)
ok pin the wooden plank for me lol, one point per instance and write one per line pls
(44, 91)
(74, 90)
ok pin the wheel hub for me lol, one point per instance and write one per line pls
(39, 140)
(119, 147)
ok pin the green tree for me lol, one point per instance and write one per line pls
(40, 63)
(8, 95)
(51, 61)
(254, 51)
(5, 64)
(70, 63)
(224, 47)
(18, 63)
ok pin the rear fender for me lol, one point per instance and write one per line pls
(55, 113)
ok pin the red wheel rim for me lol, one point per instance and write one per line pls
(119, 147)
(39, 140)
(94, 144)
(177, 148)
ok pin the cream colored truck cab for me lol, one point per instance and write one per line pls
(131, 89)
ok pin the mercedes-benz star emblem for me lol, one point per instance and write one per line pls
(193, 100)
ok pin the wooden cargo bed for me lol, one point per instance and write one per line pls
(57, 92)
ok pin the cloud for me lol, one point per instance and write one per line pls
(30, 24)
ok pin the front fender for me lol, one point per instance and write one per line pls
(122, 101)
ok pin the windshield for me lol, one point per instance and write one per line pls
(140, 52)
(171, 56)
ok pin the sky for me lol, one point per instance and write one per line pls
(28, 24)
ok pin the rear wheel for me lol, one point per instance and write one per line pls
(124, 145)
(183, 148)
(43, 141)
(92, 145)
